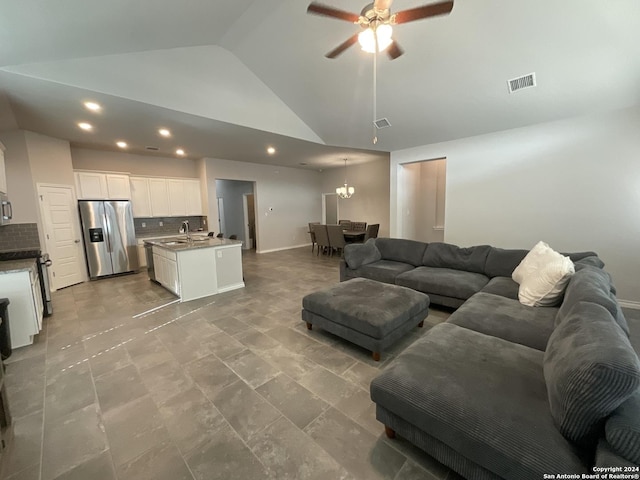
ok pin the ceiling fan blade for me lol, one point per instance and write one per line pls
(394, 50)
(425, 11)
(319, 9)
(342, 47)
(381, 5)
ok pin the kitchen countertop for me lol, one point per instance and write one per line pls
(146, 236)
(206, 242)
(14, 266)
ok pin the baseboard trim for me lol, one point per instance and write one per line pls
(629, 304)
(284, 248)
(228, 288)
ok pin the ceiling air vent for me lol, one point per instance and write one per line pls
(520, 83)
(153, 149)
(382, 123)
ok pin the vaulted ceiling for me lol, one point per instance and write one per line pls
(229, 78)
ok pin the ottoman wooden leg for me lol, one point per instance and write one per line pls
(421, 324)
(390, 432)
(309, 326)
(375, 356)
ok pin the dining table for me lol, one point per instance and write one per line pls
(354, 235)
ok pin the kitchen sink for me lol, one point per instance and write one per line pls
(175, 242)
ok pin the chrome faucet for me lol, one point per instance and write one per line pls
(185, 229)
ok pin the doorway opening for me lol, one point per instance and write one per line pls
(330, 212)
(421, 200)
(236, 211)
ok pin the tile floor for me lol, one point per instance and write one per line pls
(231, 386)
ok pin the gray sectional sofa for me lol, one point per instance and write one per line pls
(503, 390)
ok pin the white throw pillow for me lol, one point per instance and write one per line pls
(543, 275)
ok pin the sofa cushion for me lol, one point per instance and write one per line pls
(503, 286)
(606, 457)
(543, 275)
(446, 255)
(401, 250)
(507, 319)
(590, 368)
(443, 281)
(502, 262)
(592, 284)
(592, 261)
(623, 429)
(482, 396)
(358, 254)
(383, 270)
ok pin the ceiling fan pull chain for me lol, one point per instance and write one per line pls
(375, 83)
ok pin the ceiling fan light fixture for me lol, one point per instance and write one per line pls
(367, 40)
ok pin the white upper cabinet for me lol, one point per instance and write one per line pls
(3, 173)
(140, 198)
(159, 197)
(91, 185)
(193, 197)
(102, 186)
(118, 187)
(177, 199)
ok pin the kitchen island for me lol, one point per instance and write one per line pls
(197, 267)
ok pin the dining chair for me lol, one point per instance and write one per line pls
(336, 238)
(211, 234)
(322, 237)
(312, 235)
(346, 224)
(220, 235)
(372, 231)
(360, 226)
(233, 237)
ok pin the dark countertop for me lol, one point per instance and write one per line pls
(201, 242)
(13, 266)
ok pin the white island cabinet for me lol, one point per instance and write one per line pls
(197, 268)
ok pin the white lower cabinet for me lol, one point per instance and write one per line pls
(26, 308)
(166, 269)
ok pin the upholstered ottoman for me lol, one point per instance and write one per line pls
(368, 313)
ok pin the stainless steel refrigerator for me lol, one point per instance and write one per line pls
(109, 236)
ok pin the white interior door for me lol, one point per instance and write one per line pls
(61, 232)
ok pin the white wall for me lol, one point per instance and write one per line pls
(287, 199)
(370, 203)
(87, 159)
(50, 159)
(573, 183)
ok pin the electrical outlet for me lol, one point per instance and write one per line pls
(144, 224)
(161, 223)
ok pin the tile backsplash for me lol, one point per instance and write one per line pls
(19, 236)
(170, 225)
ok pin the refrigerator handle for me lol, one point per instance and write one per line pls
(107, 227)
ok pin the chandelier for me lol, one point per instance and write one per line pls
(345, 191)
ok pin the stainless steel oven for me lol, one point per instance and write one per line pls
(6, 212)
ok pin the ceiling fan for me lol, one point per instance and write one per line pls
(376, 21)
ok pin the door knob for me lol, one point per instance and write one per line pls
(76, 241)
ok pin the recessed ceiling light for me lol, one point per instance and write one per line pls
(271, 150)
(180, 152)
(121, 144)
(85, 126)
(164, 132)
(93, 106)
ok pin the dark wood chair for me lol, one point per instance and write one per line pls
(345, 224)
(322, 237)
(336, 238)
(312, 234)
(359, 226)
(233, 237)
(372, 231)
